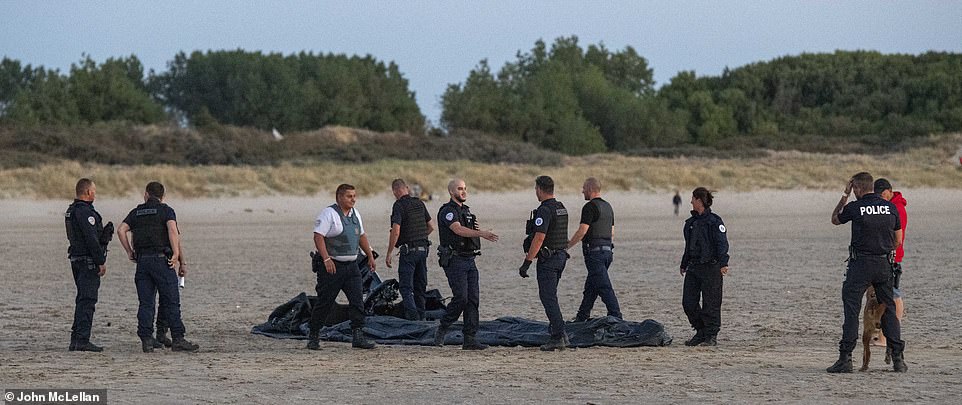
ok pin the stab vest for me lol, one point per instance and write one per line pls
(452, 240)
(599, 231)
(78, 246)
(557, 235)
(345, 244)
(414, 224)
(149, 226)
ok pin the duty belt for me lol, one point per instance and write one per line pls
(598, 249)
(79, 258)
(405, 248)
(139, 255)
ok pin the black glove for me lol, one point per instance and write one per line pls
(523, 270)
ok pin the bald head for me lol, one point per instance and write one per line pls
(591, 189)
(458, 190)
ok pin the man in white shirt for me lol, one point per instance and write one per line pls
(338, 233)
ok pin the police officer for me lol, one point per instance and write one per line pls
(595, 234)
(703, 264)
(338, 234)
(88, 258)
(460, 241)
(156, 250)
(410, 226)
(547, 240)
(876, 233)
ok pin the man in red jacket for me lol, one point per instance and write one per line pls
(884, 189)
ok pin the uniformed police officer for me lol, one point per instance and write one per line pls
(410, 226)
(88, 259)
(547, 240)
(703, 264)
(338, 234)
(460, 242)
(876, 233)
(595, 234)
(156, 250)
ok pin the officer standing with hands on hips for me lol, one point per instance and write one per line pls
(156, 250)
(460, 241)
(547, 239)
(88, 258)
(703, 265)
(876, 233)
(595, 232)
(410, 226)
(338, 233)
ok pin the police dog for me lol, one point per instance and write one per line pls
(872, 327)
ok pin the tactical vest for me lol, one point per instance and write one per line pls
(149, 226)
(452, 240)
(347, 242)
(557, 235)
(414, 225)
(599, 231)
(74, 234)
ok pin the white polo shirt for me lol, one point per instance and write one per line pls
(328, 224)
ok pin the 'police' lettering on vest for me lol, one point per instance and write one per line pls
(875, 210)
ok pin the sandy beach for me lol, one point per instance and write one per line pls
(781, 316)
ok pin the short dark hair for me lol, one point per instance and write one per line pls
(397, 184)
(545, 184)
(702, 194)
(155, 189)
(882, 185)
(343, 188)
(863, 181)
(83, 185)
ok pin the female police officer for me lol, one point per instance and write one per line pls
(703, 264)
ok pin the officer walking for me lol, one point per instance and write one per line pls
(156, 250)
(703, 265)
(876, 233)
(595, 234)
(547, 240)
(410, 226)
(460, 242)
(88, 257)
(338, 233)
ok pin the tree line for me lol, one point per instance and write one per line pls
(562, 97)
(583, 100)
(249, 89)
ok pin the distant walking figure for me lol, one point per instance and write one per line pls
(676, 200)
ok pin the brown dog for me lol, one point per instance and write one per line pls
(872, 326)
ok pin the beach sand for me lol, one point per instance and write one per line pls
(781, 316)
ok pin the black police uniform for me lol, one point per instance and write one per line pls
(148, 223)
(412, 217)
(874, 222)
(706, 252)
(84, 232)
(597, 248)
(551, 219)
(456, 257)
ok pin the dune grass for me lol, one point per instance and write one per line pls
(929, 166)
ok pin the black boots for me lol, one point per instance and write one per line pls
(556, 344)
(148, 344)
(843, 365)
(313, 341)
(471, 343)
(439, 335)
(359, 341)
(85, 347)
(696, 340)
(898, 363)
(183, 345)
(710, 340)
(162, 339)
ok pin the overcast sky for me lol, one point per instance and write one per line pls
(438, 42)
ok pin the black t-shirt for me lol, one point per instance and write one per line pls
(874, 222)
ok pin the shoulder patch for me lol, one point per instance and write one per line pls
(721, 228)
(92, 220)
(538, 221)
(449, 216)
